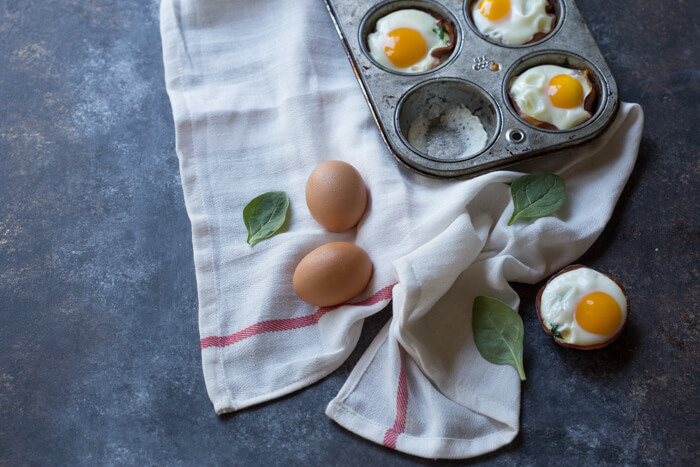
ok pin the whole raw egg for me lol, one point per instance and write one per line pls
(332, 274)
(336, 195)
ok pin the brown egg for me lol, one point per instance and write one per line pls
(332, 274)
(336, 195)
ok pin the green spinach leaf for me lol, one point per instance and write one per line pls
(536, 195)
(555, 330)
(498, 333)
(265, 215)
(441, 32)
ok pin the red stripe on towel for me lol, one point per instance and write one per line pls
(275, 325)
(392, 434)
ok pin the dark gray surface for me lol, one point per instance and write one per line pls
(99, 348)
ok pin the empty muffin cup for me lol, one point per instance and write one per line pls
(409, 37)
(593, 102)
(514, 25)
(447, 120)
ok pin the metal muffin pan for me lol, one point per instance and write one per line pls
(467, 78)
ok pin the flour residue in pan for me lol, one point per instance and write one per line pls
(454, 134)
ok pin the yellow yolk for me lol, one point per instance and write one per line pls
(494, 9)
(565, 92)
(599, 313)
(405, 47)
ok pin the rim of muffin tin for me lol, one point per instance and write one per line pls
(515, 139)
(473, 87)
(546, 57)
(559, 14)
(378, 11)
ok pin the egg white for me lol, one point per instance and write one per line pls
(413, 19)
(529, 92)
(526, 18)
(562, 295)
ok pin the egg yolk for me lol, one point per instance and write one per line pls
(565, 92)
(404, 47)
(494, 10)
(599, 313)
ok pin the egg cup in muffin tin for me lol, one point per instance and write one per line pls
(476, 76)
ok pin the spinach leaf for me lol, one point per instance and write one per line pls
(536, 195)
(555, 330)
(264, 215)
(441, 32)
(498, 333)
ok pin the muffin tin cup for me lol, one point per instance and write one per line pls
(431, 100)
(369, 21)
(477, 73)
(566, 60)
(559, 13)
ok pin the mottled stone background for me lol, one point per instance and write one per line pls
(99, 348)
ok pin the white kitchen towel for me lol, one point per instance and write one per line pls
(262, 92)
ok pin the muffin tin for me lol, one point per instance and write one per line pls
(476, 75)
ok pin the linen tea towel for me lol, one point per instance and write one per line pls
(262, 92)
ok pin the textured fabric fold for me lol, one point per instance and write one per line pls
(459, 405)
(256, 111)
